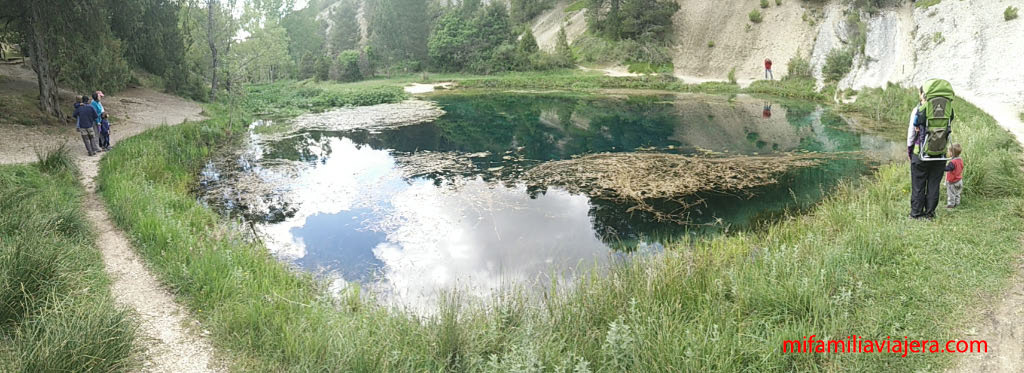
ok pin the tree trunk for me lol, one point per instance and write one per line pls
(46, 74)
(227, 76)
(210, 38)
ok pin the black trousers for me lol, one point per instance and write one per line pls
(925, 181)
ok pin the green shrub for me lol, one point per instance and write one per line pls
(1010, 13)
(598, 50)
(348, 66)
(755, 16)
(778, 2)
(838, 63)
(799, 67)
(732, 76)
(764, 4)
(711, 43)
(925, 4)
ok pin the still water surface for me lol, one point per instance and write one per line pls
(359, 205)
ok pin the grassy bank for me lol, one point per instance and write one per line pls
(298, 97)
(853, 265)
(293, 98)
(56, 312)
(799, 88)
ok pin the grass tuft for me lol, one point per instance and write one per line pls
(56, 160)
(755, 16)
(56, 313)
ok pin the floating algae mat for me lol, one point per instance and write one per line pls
(482, 190)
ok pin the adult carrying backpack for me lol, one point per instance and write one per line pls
(938, 111)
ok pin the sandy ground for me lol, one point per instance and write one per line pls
(780, 35)
(174, 342)
(1001, 324)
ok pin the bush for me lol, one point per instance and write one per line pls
(837, 64)
(755, 16)
(778, 2)
(348, 66)
(1010, 13)
(711, 44)
(799, 67)
(764, 4)
(593, 49)
(732, 76)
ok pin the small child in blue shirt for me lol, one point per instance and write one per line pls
(104, 132)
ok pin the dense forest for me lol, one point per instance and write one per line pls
(201, 48)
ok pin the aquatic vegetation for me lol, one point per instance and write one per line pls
(639, 178)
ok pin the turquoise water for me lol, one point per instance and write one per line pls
(357, 205)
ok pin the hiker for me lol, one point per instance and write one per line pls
(768, 69)
(954, 177)
(86, 116)
(767, 112)
(96, 97)
(104, 132)
(926, 168)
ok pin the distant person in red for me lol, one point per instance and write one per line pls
(767, 113)
(768, 69)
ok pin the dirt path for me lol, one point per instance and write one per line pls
(1001, 321)
(173, 341)
(1003, 328)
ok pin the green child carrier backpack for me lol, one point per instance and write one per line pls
(938, 111)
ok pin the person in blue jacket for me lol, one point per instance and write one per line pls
(96, 105)
(87, 117)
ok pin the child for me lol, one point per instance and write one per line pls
(954, 177)
(104, 132)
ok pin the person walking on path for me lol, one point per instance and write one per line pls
(925, 176)
(87, 118)
(954, 177)
(768, 69)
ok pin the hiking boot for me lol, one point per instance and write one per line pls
(950, 206)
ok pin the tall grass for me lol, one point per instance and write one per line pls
(790, 87)
(853, 265)
(56, 313)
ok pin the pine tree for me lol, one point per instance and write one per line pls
(562, 50)
(344, 34)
